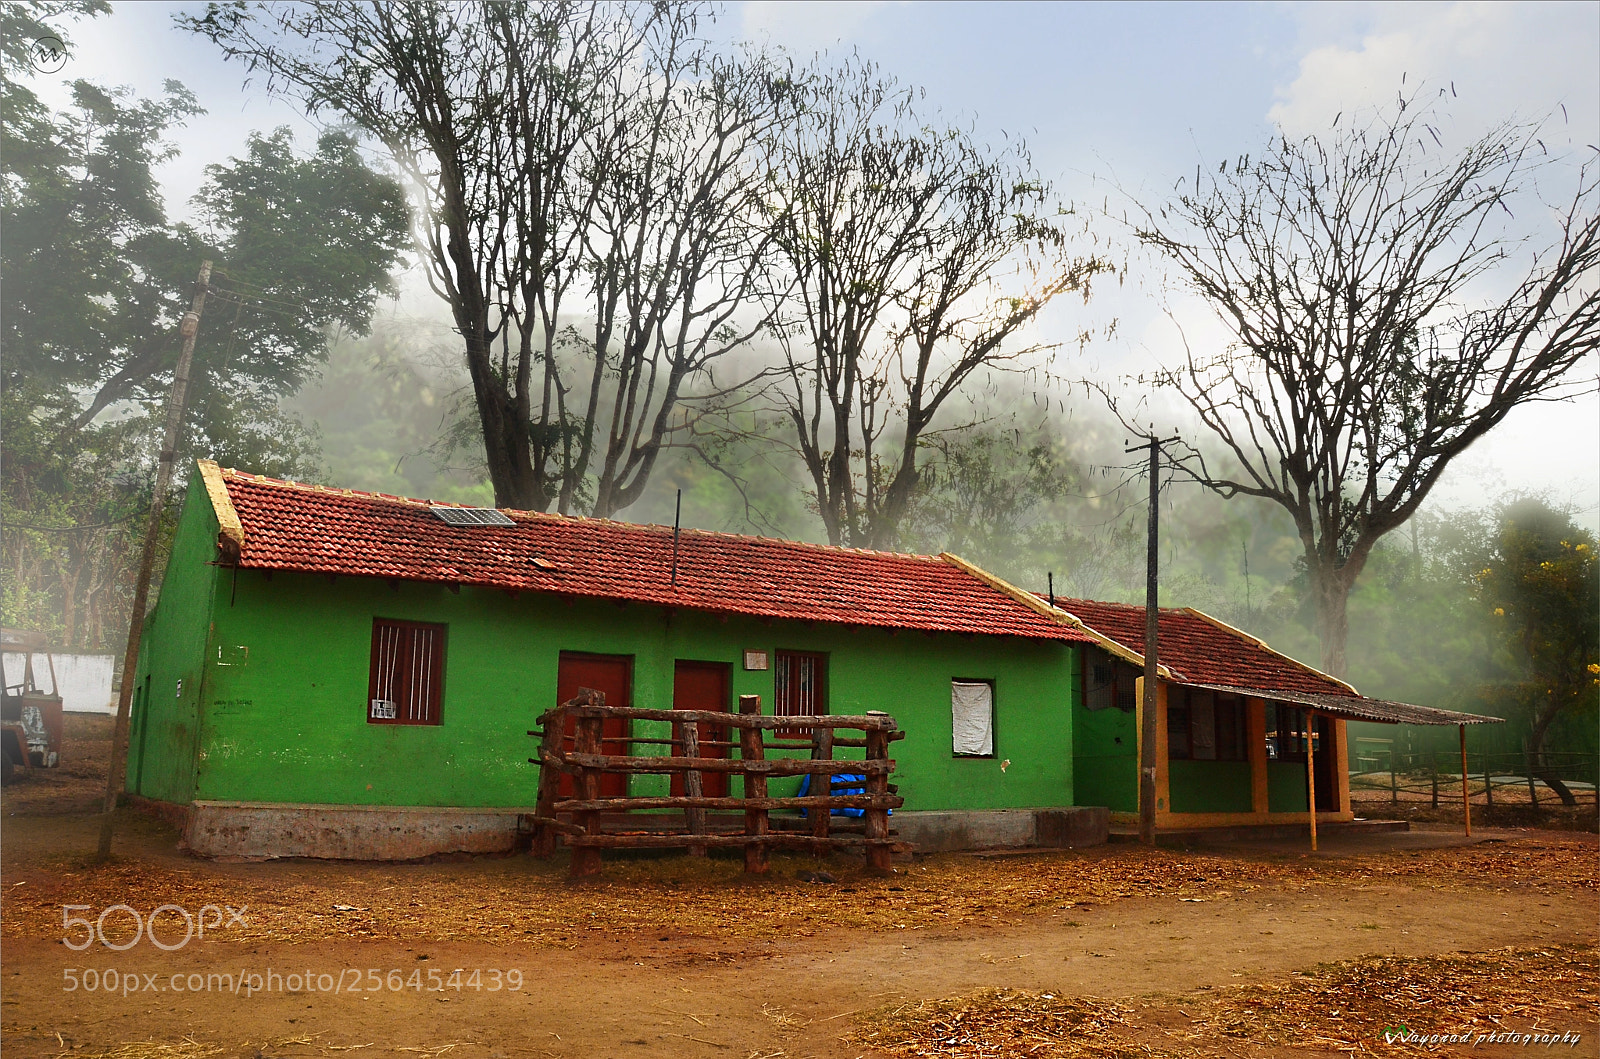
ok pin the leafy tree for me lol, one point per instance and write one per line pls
(985, 490)
(1035, 501)
(72, 527)
(27, 122)
(305, 246)
(94, 279)
(1349, 271)
(379, 406)
(87, 244)
(1543, 587)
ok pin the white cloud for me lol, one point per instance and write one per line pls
(1504, 60)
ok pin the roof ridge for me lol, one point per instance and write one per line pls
(1034, 603)
(1219, 623)
(286, 483)
(1117, 603)
(232, 473)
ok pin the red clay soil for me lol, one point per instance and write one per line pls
(684, 957)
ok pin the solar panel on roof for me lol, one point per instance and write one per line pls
(470, 516)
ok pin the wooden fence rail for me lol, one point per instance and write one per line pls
(577, 820)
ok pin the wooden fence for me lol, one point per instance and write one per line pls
(587, 822)
(1413, 777)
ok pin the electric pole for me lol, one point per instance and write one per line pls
(1147, 722)
(188, 329)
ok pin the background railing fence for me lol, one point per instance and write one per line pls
(1511, 778)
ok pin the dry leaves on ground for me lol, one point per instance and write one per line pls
(184, 1049)
(1542, 857)
(711, 897)
(998, 1022)
(300, 901)
(1348, 1007)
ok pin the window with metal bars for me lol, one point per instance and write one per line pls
(799, 687)
(407, 676)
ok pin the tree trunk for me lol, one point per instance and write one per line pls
(1536, 763)
(1332, 590)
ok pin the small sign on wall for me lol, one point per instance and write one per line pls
(756, 660)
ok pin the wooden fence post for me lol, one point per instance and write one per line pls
(693, 786)
(879, 853)
(544, 839)
(1394, 787)
(1488, 783)
(1433, 767)
(752, 747)
(821, 750)
(586, 859)
(1466, 792)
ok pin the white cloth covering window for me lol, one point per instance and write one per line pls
(972, 717)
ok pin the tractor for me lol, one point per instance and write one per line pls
(30, 718)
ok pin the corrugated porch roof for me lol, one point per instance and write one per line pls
(1382, 711)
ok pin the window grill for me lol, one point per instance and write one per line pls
(799, 687)
(407, 673)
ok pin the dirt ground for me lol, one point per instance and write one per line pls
(1247, 950)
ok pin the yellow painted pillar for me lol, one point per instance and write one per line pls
(1163, 780)
(1341, 764)
(1138, 742)
(1311, 775)
(1163, 773)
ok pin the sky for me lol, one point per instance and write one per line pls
(1114, 100)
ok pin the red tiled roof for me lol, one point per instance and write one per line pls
(289, 526)
(1200, 650)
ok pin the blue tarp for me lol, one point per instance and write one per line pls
(859, 786)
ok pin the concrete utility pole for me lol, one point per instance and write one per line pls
(189, 328)
(1147, 723)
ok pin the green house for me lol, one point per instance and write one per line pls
(348, 674)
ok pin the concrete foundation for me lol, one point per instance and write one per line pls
(945, 831)
(1184, 836)
(346, 832)
(386, 832)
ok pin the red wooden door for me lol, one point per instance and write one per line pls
(703, 686)
(613, 676)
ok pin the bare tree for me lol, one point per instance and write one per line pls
(1354, 274)
(917, 257)
(677, 256)
(565, 154)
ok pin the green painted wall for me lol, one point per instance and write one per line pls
(1286, 787)
(1104, 770)
(287, 723)
(164, 732)
(1210, 786)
